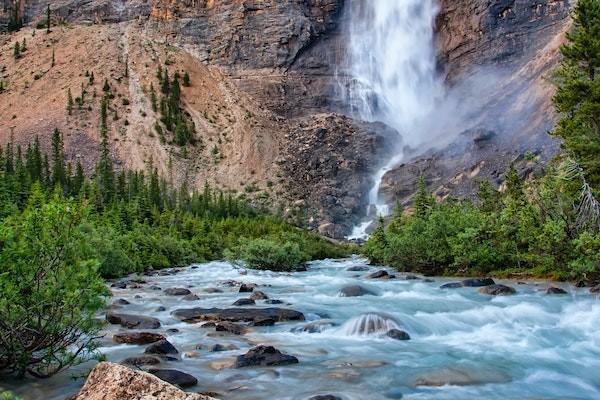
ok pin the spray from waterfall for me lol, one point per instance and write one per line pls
(392, 66)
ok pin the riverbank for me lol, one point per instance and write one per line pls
(463, 343)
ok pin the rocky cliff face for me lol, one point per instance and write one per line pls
(264, 78)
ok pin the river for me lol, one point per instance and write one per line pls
(526, 346)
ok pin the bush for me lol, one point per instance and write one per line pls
(50, 289)
(270, 255)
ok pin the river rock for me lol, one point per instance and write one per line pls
(354, 291)
(160, 309)
(244, 302)
(451, 285)
(247, 287)
(137, 337)
(162, 347)
(478, 282)
(175, 377)
(397, 334)
(595, 289)
(382, 274)
(267, 321)
(258, 295)
(264, 356)
(324, 397)
(133, 321)
(121, 302)
(154, 287)
(555, 290)
(119, 285)
(237, 314)
(190, 297)
(109, 381)
(222, 347)
(273, 301)
(358, 268)
(497, 290)
(138, 361)
(177, 291)
(213, 290)
(230, 327)
(315, 327)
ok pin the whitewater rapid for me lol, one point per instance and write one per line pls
(527, 346)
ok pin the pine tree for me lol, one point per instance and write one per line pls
(17, 50)
(91, 78)
(48, 20)
(59, 174)
(424, 201)
(577, 97)
(514, 185)
(24, 45)
(78, 179)
(106, 86)
(53, 59)
(69, 102)
(186, 79)
(153, 99)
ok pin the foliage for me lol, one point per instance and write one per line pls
(271, 255)
(50, 288)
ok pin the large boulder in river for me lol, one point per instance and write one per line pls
(595, 289)
(555, 290)
(236, 314)
(478, 282)
(354, 291)
(109, 381)
(177, 292)
(382, 274)
(324, 397)
(451, 285)
(230, 327)
(175, 377)
(497, 290)
(264, 356)
(162, 347)
(247, 287)
(137, 337)
(133, 321)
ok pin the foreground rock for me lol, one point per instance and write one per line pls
(175, 377)
(109, 381)
(137, 337)
(354, 291)
(237, 314)
(133, 321)
(497, 290)
(264, 356)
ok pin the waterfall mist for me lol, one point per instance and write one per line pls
(392, 65)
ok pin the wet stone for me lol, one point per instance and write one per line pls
(478, 282)
(161, 347)
(244, 302)
(177, 291)
(133, 321)
(397, 334)
(175, 377)
(555, 290)
(137, 337)
(264, 356)
(138, 361)
(354, 291)
(497, 290)
(258, 295)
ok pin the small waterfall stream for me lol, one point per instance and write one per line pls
(392, 65)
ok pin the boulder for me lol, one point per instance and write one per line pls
(119, 285)
(264, 321)
(478, 282)
(354, 291)
(160, 309)
(137, 337)
(244, 302)
(154, 287)
(222, 347)
(190, 297)
(358, 268)
(451, 285)
(230, 327)
(213, 290)
(555, 290)
(133, 321)
(175, 377)
(177, 291)
(258, 295)
(247, 287)
(315, 327)
(264, 356)
(382, 274)
(122, 302)
(497, 290)
(273, 301)
(109, 381)
(138, 361)
(595, 289)
(397, 334)
(236, 314)
(162, 347)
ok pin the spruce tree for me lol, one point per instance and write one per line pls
(153, 100)
(106, 86)
(53, 59)
(48, 19)
(186, 79)
(69, 102)
(577, 97)
(59, 174)
(17, 50)
(424, 201)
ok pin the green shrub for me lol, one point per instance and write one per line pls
(271, 255)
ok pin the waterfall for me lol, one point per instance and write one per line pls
(367, 324)
(392, 69)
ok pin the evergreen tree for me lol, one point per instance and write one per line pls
(69, 101)
(186, 79)
(24, 45)
(153, 99)
(17, 50)
(424, 201)
(53, 59)
(78, 179)
(577, 97)
(48, 19)
(106, 86)
(59, 174)
(514, 185)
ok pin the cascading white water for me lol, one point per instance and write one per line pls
(368, 324)
(393, 76)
